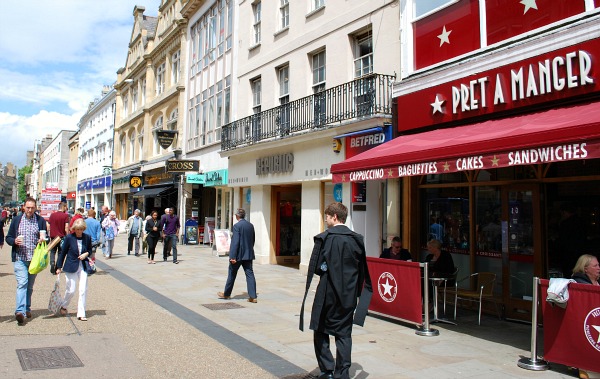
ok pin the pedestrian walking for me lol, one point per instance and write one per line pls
(93, 229)
(171, 227)
(241, 253)
(153, 229)
(59, 227)
(24, 235)
(339, 258)
(111, 230)
(134, 230)
(75, 253)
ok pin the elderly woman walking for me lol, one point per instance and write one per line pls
(111, 230)
(77, 247)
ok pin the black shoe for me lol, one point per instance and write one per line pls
(137, 255)
(53, 268)
(20, 318)
(128, 253)
(176, 262)
(326, 375)
(165, 259)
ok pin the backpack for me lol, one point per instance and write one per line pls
(110, 233)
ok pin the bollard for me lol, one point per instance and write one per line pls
(534, 363)
(425, 330)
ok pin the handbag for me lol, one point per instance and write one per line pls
(56, 299)
(40, 259)
(89, 266)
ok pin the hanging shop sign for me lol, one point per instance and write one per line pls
(165, 137)
(183, 166)
(557, 75)
(135, 181)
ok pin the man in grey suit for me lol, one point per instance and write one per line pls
(241, 253)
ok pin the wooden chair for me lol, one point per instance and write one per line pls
(483, 291)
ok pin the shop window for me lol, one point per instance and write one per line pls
(447, 219)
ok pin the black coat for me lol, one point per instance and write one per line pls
(151, 224)
(341, 284)
(68, 258)
(442, 267)
(580, 277)
(403, 256)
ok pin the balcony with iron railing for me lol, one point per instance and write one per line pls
(366, 97)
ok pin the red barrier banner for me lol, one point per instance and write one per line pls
(396, 289)
(572, 335)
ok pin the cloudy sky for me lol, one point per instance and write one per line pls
(55, 56)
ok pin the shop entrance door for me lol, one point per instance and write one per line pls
(521, 249)
(288, 209)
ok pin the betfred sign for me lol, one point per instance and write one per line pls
(557, 75)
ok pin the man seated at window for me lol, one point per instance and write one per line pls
(395, 251)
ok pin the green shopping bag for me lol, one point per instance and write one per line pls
(40, 259)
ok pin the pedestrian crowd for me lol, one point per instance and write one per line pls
(72, 239)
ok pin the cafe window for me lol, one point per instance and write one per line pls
(447, 220)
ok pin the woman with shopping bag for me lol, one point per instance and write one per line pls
(73, 260)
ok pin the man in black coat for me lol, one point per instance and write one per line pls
(241, 253)
(339, 258)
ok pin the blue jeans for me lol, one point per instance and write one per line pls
(25, 282)
(170, 242)
(250, 280)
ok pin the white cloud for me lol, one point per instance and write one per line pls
(18, 133)
(55, 57)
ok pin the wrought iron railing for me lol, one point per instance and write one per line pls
(358, 99)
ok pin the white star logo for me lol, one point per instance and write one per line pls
(444, 36)
(528, 5)
(437, 104)
(598, 330)
(387, 288)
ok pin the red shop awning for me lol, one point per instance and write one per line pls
(556, 135)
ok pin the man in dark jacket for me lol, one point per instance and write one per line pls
(241, 253)
(339, 258)
(24, 235)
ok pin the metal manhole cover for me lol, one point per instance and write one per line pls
(299, 376)
(48, 357)
(222, 306)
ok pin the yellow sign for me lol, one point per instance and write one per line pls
(135, 181)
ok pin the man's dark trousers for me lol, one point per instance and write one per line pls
(170, 241)
(343, 359)
(250, 280)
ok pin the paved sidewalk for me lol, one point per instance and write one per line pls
(164, 320)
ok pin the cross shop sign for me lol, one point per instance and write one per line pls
(183, 166)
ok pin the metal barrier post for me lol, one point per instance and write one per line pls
(425, 330)
(534, 363)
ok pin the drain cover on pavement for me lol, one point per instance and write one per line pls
(48, 357)
(222, 306)
(300, 376)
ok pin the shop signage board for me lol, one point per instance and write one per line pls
(183, 166)
(216, 178)
(557, 75)
(50, 200)
(165, 137)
